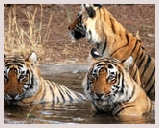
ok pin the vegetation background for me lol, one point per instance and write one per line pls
(44, 29)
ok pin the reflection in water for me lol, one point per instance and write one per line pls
(78, 113)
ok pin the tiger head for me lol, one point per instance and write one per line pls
(100, 28)
(20, 77)
(88, 22)
(77, 29)
(106, 83)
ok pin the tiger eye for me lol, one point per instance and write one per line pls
(110, 66)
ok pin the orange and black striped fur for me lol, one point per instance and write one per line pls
(111, 89)
(113, 40)
(23, 84)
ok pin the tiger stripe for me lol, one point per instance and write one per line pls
(112, 90)
(23, 84)
(113, 40)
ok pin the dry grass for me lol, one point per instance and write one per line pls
(27, 28)
(18, 40)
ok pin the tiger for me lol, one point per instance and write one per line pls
(112, 39)
(111, 89)
(24, 85)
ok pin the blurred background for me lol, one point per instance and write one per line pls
(44, 29)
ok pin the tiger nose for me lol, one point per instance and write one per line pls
(99, 94)
(12, 95)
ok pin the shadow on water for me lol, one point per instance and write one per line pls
(74, 113)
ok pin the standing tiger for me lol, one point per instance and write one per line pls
(23, 84)
(111, 89)
(113, 40)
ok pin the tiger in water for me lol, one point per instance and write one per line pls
(24, 85)
(113, 40)
(111, 89)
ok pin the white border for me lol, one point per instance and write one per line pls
(78, 2)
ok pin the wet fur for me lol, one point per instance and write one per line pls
(111, 90)
(23, 84)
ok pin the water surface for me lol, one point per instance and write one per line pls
(73, 113)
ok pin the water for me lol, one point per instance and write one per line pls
(74, 113)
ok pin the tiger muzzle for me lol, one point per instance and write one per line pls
(13, 97)
(98, 96)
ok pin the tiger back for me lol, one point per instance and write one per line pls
(114, 40)
(24, 85)
(111, 89)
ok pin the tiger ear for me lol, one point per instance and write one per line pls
(137, 35)
(90, 10)
(129, 62)
(33, 58)
(97, 5)
(95, 53)
(94, 56)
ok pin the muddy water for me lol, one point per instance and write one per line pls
(74, 113)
